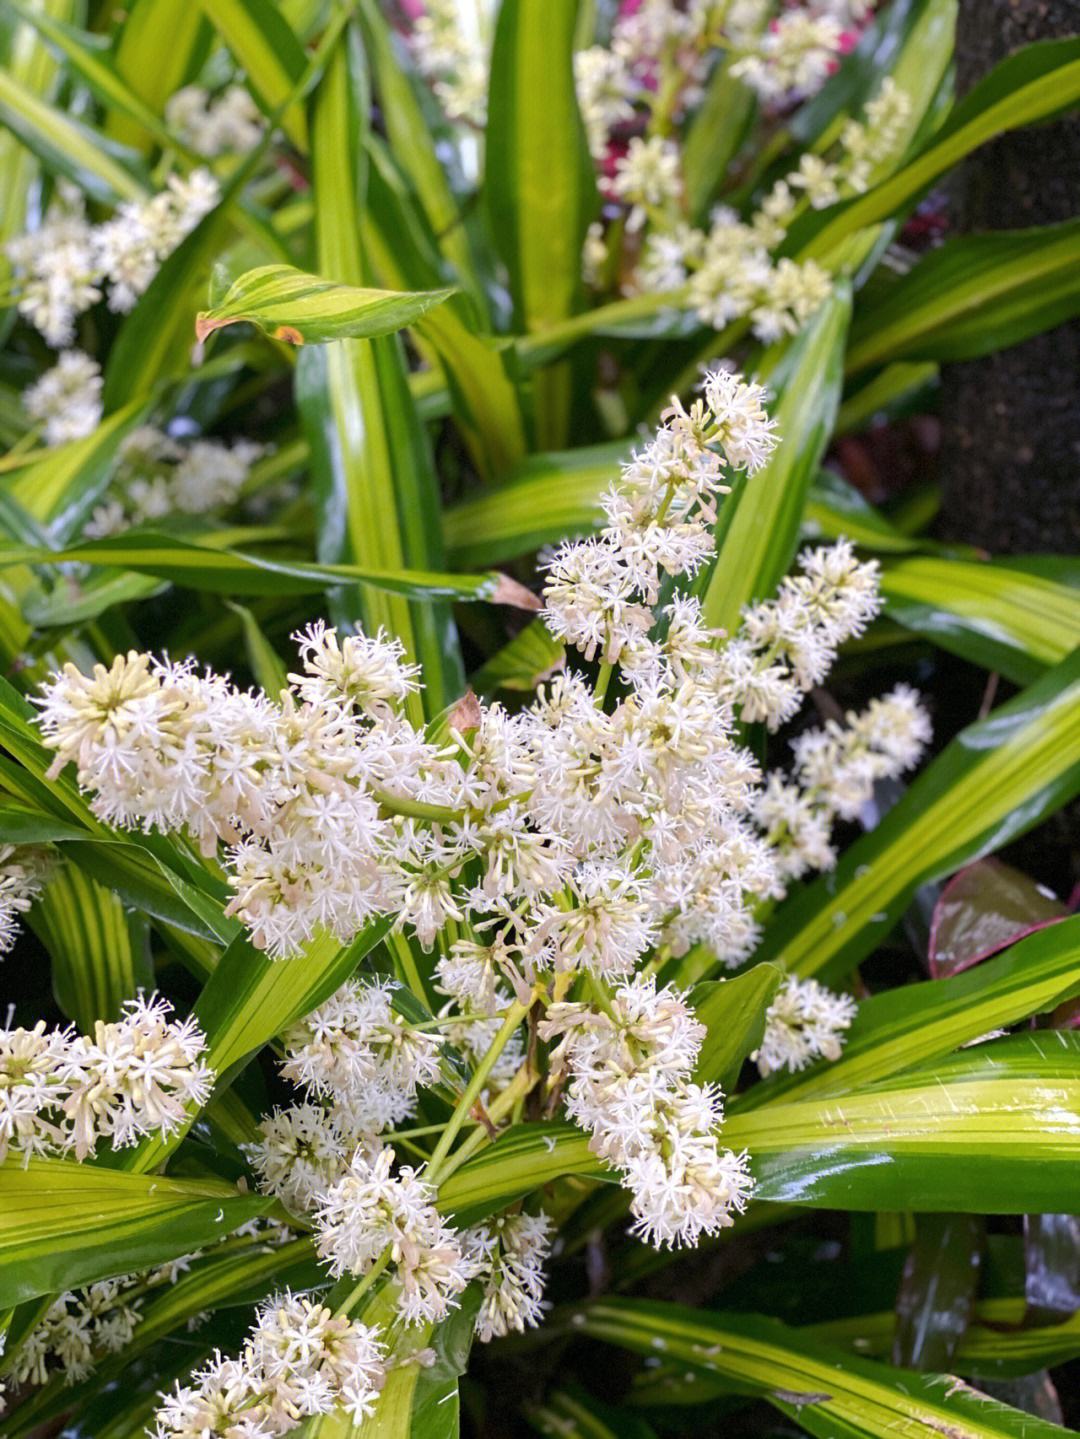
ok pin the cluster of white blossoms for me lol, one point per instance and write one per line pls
(24, 870)
(215, 125)
(76, 1330)
(158, 476)
(66, 400)
(300, 1360)
(629, 1068)
(135, 1076)
(729, 270)
(610, 824)
(836, 768)
(789, 55)
(67, 265)
(452, 46)
(805, 1022)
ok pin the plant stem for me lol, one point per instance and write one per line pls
(514, 1015)
(365, 1284)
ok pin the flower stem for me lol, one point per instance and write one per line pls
(347, 1304)
(514, 1015)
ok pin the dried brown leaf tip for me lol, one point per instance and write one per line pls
(509, 592)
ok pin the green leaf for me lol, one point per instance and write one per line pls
(96, 963)
(714, 134)
(266, 49)
(62, 488)
(894, 391)
(826, 1391)
(917, 1023)
(976, 294)
(213, 1282)
(303, 309)
(154, 71)
(574, 1414)
(995, 780)
(34, 69)
(80, 49)
(525, 1158)
(733, 1013)
(1018, 621)
(101, 168)
(374, 483)
(64, 1224)
(228, 571)
(539, 186)
(414, 148)
(1031, 85)
(990, 1130)
(758, 529)
(523, 662)
(549, 497)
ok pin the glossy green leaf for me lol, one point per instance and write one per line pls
(715, 132)
(893, 391)
(916, 1023)
(827, 1392)
(96, 962)
(758, 529)
(1018, 621)
(63, 1224)
(528, 1156)
(733, 1013)
(228, 571)
(1033, 84)
(976, 294)
(992, 782)
(308, 310)
(990, 1130)
(264, 45)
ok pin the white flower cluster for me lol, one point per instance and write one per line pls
(157, 476)
(792, 56)
(217, 125)
(76, 1330)
(362, 1065)
(66, 400)
(508, 1256)
(135, 1076)
(728, 271)
(66, 265)
(452, 46)
(629, 1069)
(836, 769)
(603, 824)
(299, 1360)
(24, 869)
(787, 645)
(805, 1022)
(371, 1214)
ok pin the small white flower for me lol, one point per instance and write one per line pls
(67, 398)
(805, 1022)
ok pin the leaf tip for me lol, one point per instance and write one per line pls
(509, 592)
